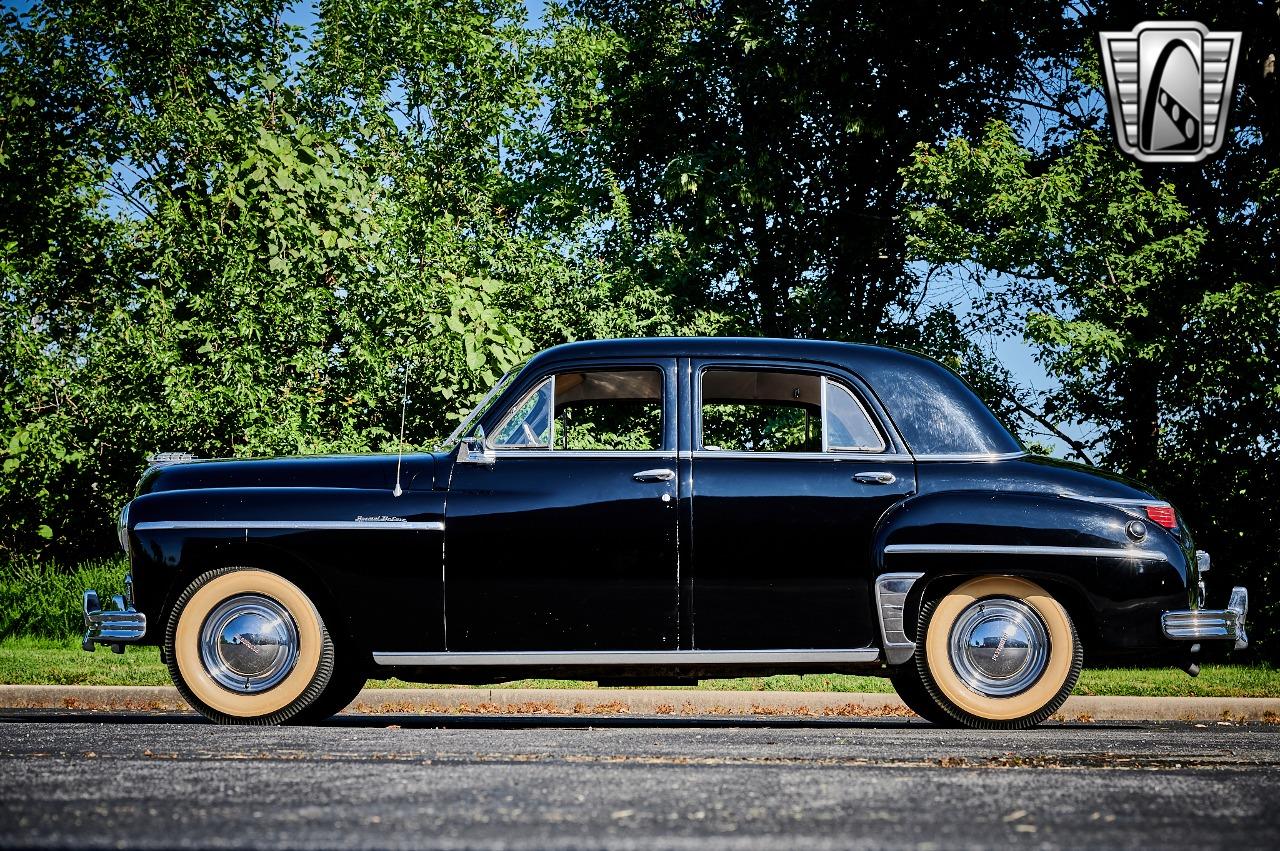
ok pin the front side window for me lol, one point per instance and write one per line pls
(775, 411)
(598, 410)
(614, 410)
(528, 426)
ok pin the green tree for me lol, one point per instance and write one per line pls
(758, 142)
(226, 234)
(1150, 292)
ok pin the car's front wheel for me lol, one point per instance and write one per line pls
(997, 652)
(907, 683)
(246, 646)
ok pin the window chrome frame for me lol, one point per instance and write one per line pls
(822, 414)
(833, 455)
(972, 456)
(514, 452)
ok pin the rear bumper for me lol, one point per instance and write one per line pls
(115, 627)
(1211, 624)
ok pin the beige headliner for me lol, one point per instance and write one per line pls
(732, 385)
(643, 385)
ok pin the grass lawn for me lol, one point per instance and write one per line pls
(41, 661)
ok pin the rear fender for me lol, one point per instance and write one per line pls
(1113, 586)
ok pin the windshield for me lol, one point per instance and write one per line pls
(469, 419)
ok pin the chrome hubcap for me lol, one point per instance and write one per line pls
(999, 647)
(249, 643)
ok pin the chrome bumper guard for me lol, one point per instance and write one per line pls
(115, 627)
(1211, 624)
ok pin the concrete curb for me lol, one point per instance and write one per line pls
(615, 701)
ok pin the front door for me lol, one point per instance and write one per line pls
(567, 539)
(790, 474)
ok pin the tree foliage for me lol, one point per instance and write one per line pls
(760, 141)
(223, 234)
(1150, 292)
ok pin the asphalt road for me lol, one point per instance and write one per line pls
(86, 781)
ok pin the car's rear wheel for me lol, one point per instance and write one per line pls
(998, 652)
(246, 646)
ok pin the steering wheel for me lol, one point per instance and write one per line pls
(528, 432)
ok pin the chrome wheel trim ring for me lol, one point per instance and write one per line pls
(999, 647)
(249, 643)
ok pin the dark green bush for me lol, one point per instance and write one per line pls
(42, 598)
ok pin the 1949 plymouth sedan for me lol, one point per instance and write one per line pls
(658, 510)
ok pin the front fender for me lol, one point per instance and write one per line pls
(375, 558)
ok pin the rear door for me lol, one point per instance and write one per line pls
(789, 475)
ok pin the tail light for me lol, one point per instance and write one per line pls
(1162, 514)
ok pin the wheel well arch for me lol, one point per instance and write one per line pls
(264, 556)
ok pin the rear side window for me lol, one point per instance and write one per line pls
(849, 427)
(782, 411)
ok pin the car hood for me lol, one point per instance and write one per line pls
(370, 471)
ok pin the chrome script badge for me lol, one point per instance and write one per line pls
(1169, 83)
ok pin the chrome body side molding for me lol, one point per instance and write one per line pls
(1023, 550)
(389, 525)
(891, 596)
(590, 658)
(1118, 501)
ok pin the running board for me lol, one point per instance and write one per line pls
(591, 658)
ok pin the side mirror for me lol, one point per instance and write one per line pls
(473, 451)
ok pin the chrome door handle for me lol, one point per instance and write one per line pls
(880, 477)
(660, 475)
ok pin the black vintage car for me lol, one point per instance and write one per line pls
(658, 510)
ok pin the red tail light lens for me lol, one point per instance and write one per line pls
(1162, 514)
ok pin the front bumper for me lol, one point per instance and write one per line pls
(1211, 624)
(115, 627)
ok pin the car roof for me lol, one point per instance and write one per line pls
(824, 350)
(934, 410)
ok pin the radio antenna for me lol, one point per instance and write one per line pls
(404, 404)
